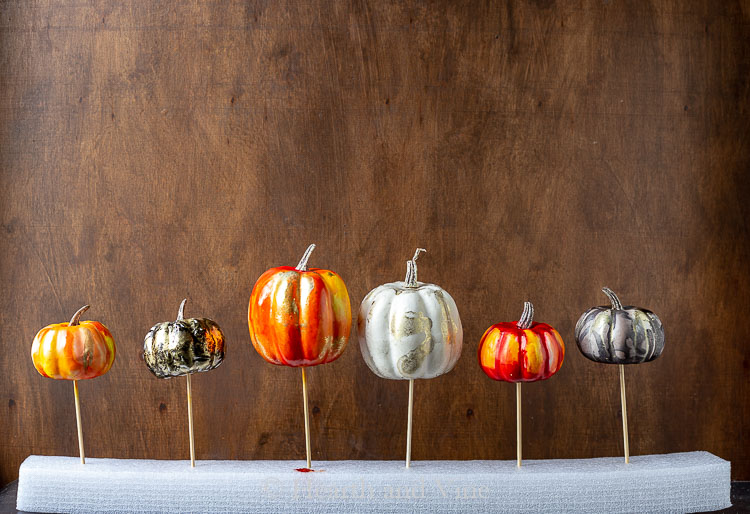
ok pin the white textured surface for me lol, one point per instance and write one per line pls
(678, 482)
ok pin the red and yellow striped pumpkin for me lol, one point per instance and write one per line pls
(299, 317)
(521, 351)
(74, 350)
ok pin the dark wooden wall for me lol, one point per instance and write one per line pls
(155, 150)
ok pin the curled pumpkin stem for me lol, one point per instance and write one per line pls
(302, 266)
(181, 311)
(411, 269)
(616, 304)
(527, 317)
(77, 316)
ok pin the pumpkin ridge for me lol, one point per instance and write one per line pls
(522, 361)
(340, 308)
(611, 332)
(164, 351)
(311, 310)
(588, 317)
(651, 344)
(411, 362)
(544, 346)
(603, 349)
(87, 357)
(561, 344)
(606, 351)
(486, 347)
(99, 348)
(64, 360)
(261, 294)
(278, 283)
(209, 343)
(504, 340)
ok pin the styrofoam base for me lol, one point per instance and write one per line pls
(678, 482)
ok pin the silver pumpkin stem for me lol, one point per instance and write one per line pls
(180, 313)
(302, 266)
(411, 269)
(527, 317)
(612, 298)
(77, 316)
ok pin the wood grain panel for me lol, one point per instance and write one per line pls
(151, 151)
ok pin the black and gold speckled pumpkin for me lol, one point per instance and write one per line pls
(619, 335)
(185, 346)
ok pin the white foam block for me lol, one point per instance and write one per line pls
(678, 482)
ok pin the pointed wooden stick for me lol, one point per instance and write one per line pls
(624, 414)
(518, 424)
(307, 416)
(190, 421)
(409, 422)
(78, 422)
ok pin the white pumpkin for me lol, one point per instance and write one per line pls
(409, 329)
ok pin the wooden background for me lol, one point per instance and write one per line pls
(156, 150)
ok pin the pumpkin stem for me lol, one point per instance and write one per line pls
(302, 266)
(527, 317)
(612, 298)
(180, 313)
(411, 269)
(77, 316)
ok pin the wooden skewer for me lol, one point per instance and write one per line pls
(409, 422)
(190, 421)
(307, 419)
(78, 422)
(624, 414)
(518, 424)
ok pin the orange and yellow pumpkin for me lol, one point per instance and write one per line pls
(521, 351)
(299, 316)
(73, 351)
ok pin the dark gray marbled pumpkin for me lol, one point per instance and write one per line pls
(177, 348)
(619, 335)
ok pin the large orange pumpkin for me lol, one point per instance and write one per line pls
(299, 316)
(74, 350)
(522, 351)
